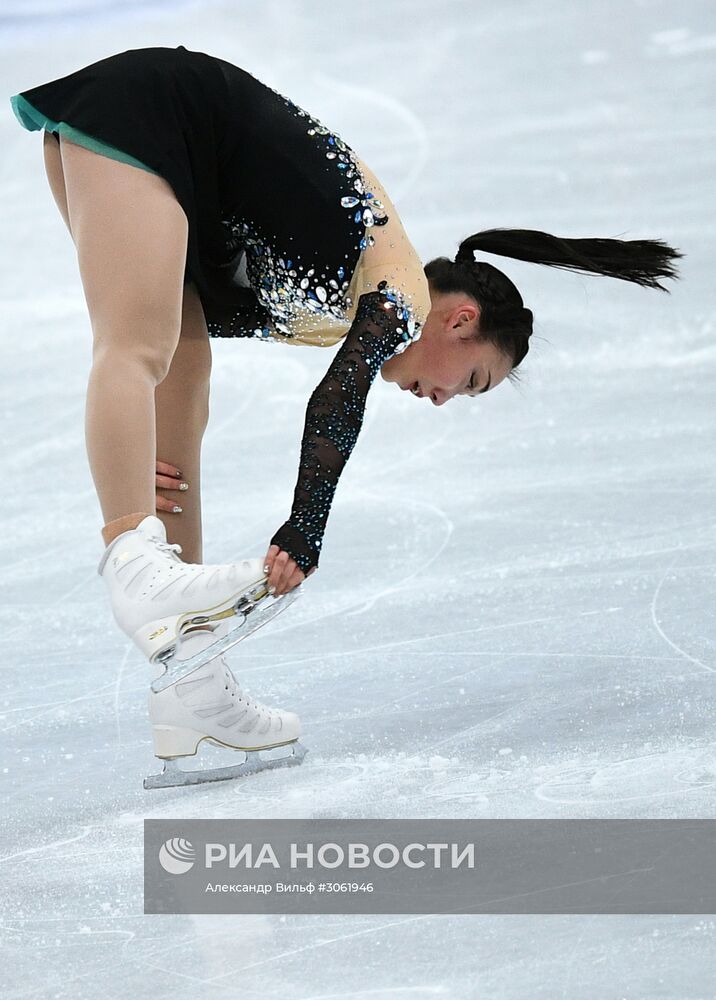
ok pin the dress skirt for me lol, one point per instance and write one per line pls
(249, 167)
(154, 108)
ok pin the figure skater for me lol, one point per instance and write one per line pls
(203, 203)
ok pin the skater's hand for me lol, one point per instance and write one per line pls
(282, 572)
(169, 478)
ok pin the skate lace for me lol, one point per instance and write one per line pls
(168, 546)
(234, 688)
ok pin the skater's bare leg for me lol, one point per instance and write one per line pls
(182, 413)
(130, 233)
(56, 175)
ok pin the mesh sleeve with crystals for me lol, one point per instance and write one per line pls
(383, 326)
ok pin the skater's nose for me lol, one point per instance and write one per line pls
(440, 396)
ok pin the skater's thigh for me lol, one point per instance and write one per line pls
(131, 238)
(55, 175)
(193, 325)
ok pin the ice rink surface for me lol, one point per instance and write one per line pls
(514, 612)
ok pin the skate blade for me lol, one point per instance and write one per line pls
(250, 612)
(172, 776)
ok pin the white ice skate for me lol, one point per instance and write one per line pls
(157, 598)
(208, 705)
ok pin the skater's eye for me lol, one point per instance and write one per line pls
(471, 383)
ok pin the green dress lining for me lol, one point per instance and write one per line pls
(33, 120)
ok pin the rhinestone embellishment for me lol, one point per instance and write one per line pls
(283, 286)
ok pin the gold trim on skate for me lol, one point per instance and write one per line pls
(248, 605)
(226, 746)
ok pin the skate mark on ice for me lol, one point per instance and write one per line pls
(381, 992)
(423, 565)
(356, 606)
(467, 786)
(527, 654)
(173, 970)
(40, 556)
(473, 631)
(387, 470)
(433, 443)
(117, 685)
(40, 453)
(99, 692)
(388, 105)
(51, 845)
(398, 644)
(617, 781)
(323, 943)
(575, 557)
(81, 585)
(464, 734)
(659, 629)
(83, 931)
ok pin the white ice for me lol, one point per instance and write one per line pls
(514, 612)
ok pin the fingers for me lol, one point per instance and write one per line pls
(269, 558)
(281, 570)
(166, 469)
(283, 573)
(171, 484)
(169, 506)
(168, 477)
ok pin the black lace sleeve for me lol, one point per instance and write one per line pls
(383, 326)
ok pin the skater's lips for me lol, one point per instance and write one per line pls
(409, 388)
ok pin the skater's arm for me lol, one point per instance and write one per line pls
(384, 325)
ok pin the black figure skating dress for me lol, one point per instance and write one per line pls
(291, 238)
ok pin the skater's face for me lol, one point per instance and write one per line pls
(446, 360)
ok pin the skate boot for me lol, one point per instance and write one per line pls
(157, 598)
(208, 705)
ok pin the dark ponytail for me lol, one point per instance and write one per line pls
(504, 320)
(640, 261)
